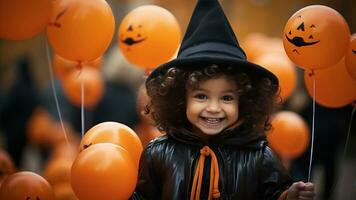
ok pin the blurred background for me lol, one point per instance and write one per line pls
(29, 110)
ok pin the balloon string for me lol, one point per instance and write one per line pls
(313, 129)
(349, 130)
(82, 103)
(54, 91)
(346, 143)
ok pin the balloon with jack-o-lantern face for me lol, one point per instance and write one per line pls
(350, 57)
(316, 37)
(149, 36)
(26, 185)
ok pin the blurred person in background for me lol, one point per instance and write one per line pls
(16, 108)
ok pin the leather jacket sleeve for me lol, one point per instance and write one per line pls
(148, 182)
(274, 178)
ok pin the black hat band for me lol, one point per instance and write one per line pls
(213, 47)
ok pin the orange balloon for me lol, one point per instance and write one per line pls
(64, 150)
(81, 30)
(115, 133)
(22, 20)
(145, 129)
(142, 100)
(39, 126)
(334, 87)
(93, 87)
(58, 136)
(147, 132)
(7, 167)
(257, 44)
(149, 36)
(104, 171)
(350, 57)
(26, 185)
(62, 67)
(316, 37)
(283, 68)
(289, 136)
(64, 191)
(58, 171)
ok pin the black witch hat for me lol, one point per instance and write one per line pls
(209, 39)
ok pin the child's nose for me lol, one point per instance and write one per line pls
(213, 106)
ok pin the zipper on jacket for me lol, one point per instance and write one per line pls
(225, 166)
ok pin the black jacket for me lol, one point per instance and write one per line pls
(249, 170)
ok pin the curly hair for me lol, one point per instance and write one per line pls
(257, 96)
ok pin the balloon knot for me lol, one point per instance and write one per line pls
(55, 24)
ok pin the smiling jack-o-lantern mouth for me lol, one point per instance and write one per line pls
(299, 41)
(354, 51)
(130, 41)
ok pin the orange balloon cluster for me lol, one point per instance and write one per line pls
(81, 30)
(350, 57)
(289, 136)
(149, 36)
(21, 19)
(334, 86)
(26, 185)
(107, 165)
(104, 171)
(316, 37)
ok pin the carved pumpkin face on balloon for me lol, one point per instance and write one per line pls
(316, 37)
(26, 185)
(149, 36)
(132, 36)
(298, 39)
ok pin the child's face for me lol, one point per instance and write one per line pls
(213, 106)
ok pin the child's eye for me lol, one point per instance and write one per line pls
(200, 96)
(227, 98)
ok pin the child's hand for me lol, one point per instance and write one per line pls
(301, 191)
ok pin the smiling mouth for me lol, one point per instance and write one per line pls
(212, 122)
(354, 51)
(130, 41)
(299, 41)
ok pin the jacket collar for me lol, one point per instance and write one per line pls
(240, 137)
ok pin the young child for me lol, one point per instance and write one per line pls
(214, 107)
